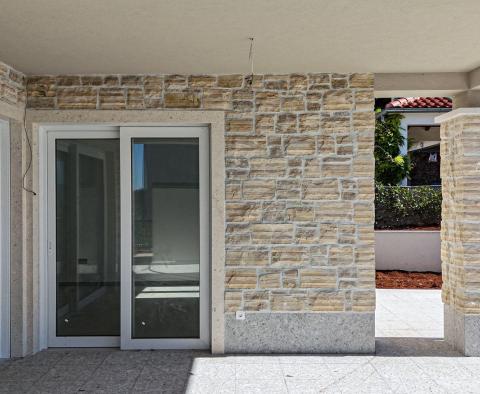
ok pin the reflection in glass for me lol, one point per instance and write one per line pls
(166, 243)
(87, 237)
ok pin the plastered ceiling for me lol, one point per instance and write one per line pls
(211, 36)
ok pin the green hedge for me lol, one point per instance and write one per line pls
(403, 207)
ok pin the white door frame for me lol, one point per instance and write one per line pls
(4, 239)
(53, 339)
(126, 135)
(47, 314)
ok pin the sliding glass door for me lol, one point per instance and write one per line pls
(128, 227)
(165, 266)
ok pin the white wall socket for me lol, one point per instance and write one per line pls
(240, 315)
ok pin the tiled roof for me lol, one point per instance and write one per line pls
(420, 102)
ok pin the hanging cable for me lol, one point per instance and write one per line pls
(249, 78)
(29, 166)
(250, 53)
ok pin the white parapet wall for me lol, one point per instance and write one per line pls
(407, 250)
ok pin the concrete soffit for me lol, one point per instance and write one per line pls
(426, 84)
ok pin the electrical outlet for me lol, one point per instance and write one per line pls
(240, 315)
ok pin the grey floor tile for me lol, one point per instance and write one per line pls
(261, 386)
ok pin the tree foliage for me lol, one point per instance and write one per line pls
(390, 166)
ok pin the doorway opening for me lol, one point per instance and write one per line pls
(408, 200)
(128, 237)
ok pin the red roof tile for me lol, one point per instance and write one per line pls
(420, 102)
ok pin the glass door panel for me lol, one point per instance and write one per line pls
(165, 264)
(166, 238)
(86, 225)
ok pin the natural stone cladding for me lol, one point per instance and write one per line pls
(12, 86)
(299, 177)
(460, 147)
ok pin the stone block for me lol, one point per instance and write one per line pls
(239, 278)
(230, 81)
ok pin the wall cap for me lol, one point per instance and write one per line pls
(457, 112)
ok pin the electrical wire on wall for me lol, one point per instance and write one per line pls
(30, 157)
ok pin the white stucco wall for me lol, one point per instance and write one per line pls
(408, 250)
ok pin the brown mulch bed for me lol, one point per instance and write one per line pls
(418, 228)
(408, 280)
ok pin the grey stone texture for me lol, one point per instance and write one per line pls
(301, 333)
(462, 331)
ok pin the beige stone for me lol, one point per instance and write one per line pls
(298, 82)
(289, 256)
(269, 279)
(338, 100)
(240, 278)
(202, 81)
(318, 278)
(247, 257)
(245, 146)
(271, 167)
(300, 214)
(276, 82)
(300, 145)
(273, 233)
(220, 99)
(230, 81)
(175, 82)
(306, 234)
(332, 301)
(243, 212)
(256, 300)
(258, 189)
(184, 99)
(286, 123)
(264, 124)
(273, 212)
(358, 80)
(308, 122)
(288, 190)
(290, 279)
(85, 98)
(267, 102)
(293, 103)
(319, 81)
(233, 301)
(282, 301)
(242, 125)
(322, 189)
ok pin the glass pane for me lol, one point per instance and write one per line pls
(166, 243)
(88, 237)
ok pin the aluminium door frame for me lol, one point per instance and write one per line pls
(53, 339)
(126, 135)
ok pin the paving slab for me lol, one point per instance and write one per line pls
(400, 365)
(409, 313)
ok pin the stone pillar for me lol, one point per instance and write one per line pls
(460, 169)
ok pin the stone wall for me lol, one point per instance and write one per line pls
(460, 150)
(299, 177)
(12, 86)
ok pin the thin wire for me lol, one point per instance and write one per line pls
(250, 53)
(28, 142)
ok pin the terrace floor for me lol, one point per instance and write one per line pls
(401, 365)
(409, 313)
